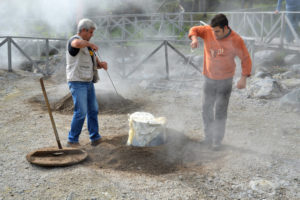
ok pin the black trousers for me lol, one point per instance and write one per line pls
(216, 94)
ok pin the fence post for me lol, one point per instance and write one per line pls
(9, 54)
(166, 58)
(282, 33)
(123, 59)
(47, 57)
(123, 30)
(262, 27)
(162, 18)
(181, 19)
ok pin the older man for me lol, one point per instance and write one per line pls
(81, 70)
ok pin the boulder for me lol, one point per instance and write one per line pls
(263, 186)
(292, 59)
(267, 57)
(52, 51)
(26, 66)
(291, 100)
(287, 75)
(291, 83)
(295, 68)
(262, 74)
(266, 88)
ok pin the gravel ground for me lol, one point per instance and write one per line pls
(260, 158)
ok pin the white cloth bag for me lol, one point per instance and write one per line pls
(146, 130)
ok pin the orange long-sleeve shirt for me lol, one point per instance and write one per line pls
(219, 54)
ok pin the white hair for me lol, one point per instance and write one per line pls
(86, 24)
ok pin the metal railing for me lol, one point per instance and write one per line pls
(256, 28)
(263, 27)
(13, 41)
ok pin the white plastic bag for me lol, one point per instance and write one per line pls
(146, 130)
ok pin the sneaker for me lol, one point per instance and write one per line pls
(96, 142)
(73, 144)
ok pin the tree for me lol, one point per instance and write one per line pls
(249, 4)
(198, 5)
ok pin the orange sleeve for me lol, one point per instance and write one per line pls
(243, 54)
(198, 31)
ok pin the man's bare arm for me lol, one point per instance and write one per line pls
(78, 43)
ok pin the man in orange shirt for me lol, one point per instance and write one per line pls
(221, 46)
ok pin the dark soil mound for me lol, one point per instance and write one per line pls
(178, 153)
(109, 103)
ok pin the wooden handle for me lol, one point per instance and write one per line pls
(50, 114)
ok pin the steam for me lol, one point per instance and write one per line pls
(57, 18)
(27, 18)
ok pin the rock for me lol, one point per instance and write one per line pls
(52, 51)
(70, 196)
(291, 100)
(267, 57)
(291, 83)
(287, 75)
(266, 88)
(262, 186)
(261, 74)
(292, 59)
(26, 66)
(295, 68)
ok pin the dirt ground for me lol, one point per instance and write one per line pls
(260, 158)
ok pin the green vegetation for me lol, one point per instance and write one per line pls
(169, 6)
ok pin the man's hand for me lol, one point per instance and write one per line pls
(102, 65)
(93, 46)
(276, 11)
(241, 84)
(194, 43)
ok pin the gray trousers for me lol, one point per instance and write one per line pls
(216, 94)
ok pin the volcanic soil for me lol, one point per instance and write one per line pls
(260, 157)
